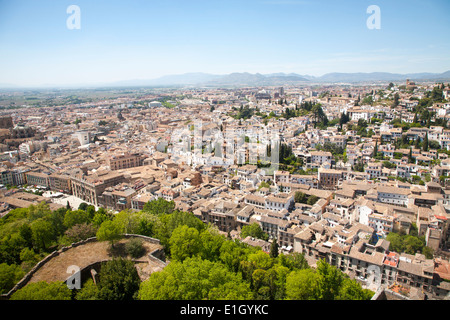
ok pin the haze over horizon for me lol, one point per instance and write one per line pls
(121, 41)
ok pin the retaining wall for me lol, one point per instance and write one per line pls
(159, 257)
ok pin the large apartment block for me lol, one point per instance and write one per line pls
(60, 183)
(90, 188)
(117, 198)
(330, 178)
(392, 195)
(371, 263)
(125, 161)
(37, 179)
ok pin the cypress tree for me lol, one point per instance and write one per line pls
(417, 143)
(425, 143)
(274, 249)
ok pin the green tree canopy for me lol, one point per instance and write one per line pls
(169, 222)
(43, 290)
(408, 243)
(75, 217)
(42, 233)
(101, 216)
(211, 241)
(325, 283)
(312, 199)
(56, 217)
(233, 252)
(261, 260)
(293, 261)
(83, 206)
(89, 291)
(329, 281)
(194, 279)
(274, 249)
(79, 232)
(253, 230)
(185, 242)
(301, 285)
(29, 259)
(38, 211)
(9, 276)
(135, 247)
(300, 197)
(119, 280)
(352, 290)
(109, 231)
(159, 206)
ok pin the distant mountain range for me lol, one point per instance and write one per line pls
(273, 79)
(381, 76)
(206, 79)
(257, 79)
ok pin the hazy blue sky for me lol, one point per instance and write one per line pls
(124, 40)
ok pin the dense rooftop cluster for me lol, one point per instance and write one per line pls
(339, 172)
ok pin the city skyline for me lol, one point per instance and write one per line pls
(119, 41)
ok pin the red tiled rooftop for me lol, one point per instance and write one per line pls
(391, 259)
(392, 254)
(390, 263)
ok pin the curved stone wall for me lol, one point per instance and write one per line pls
(156, 255)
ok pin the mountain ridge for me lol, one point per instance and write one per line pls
(257, 79)
(280, 78)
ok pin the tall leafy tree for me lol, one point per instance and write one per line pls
(79, 232)
(300, 197)
(57, 219)
(118, 280)
(233, 252)
(42, 234)
(302, 285)
(212, 241)
(352, 290)
(425, 143)
(343, 119)
(261, 260)
(101, 216)
(329, 281)
(159, 206)
(27, 234)
(43, 290)
(253, 230)
(89, 291)
(293, 261)
(185, 242)
(40, 210)
(274, 249)
(396, 100)
(194, 279)
(72, 218)
(109, 231)
(169, 222)
(325, 283)
(9, 276)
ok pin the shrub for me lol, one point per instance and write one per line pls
(135, 248)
